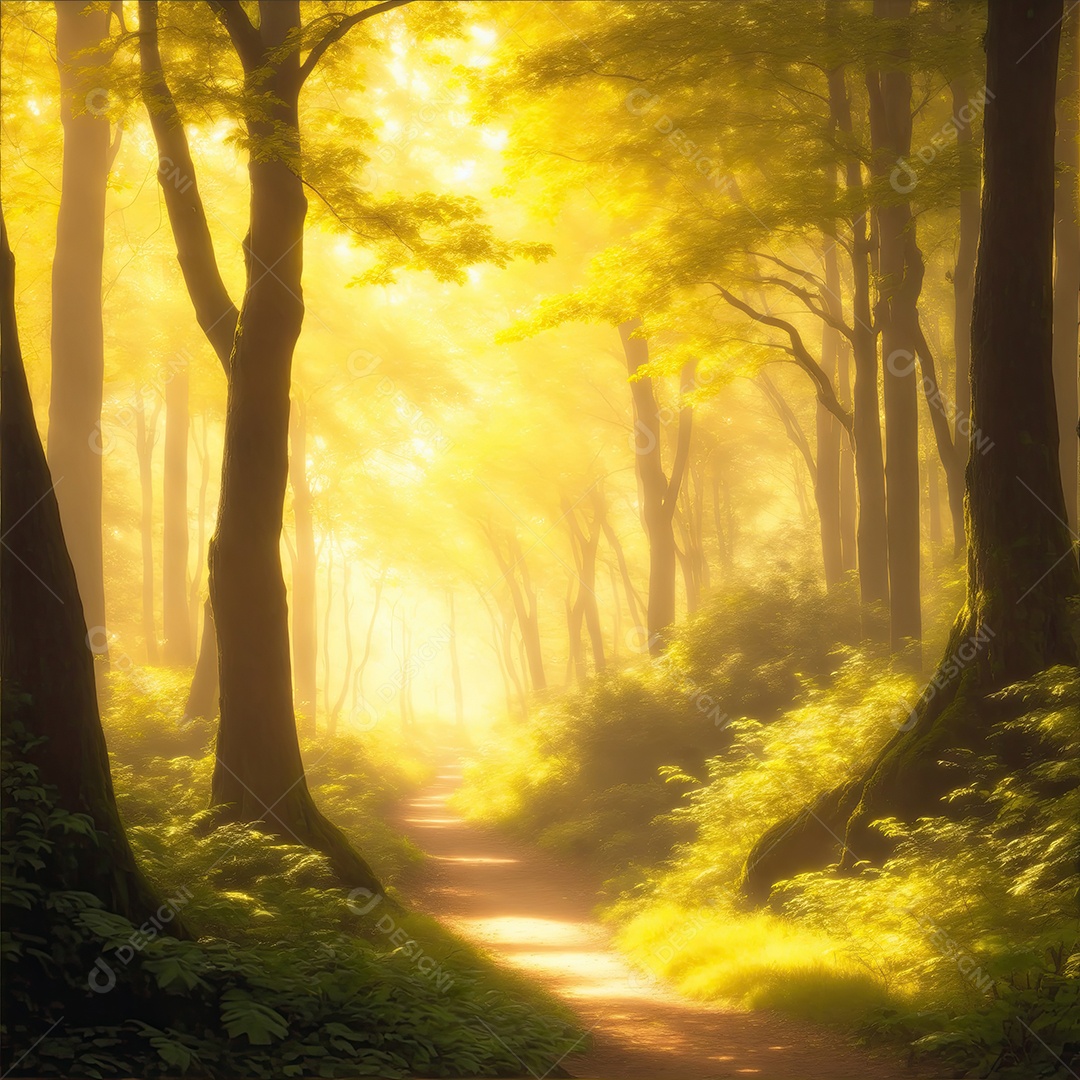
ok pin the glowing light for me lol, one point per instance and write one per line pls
(494, 138)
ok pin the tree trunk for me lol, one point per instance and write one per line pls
(963, 297)
(78, 348)
(829, 432)
(901, 272)
(195, 589)
(43, 648)
(145, 437)
(848, 509)
(176, 624)
(203, 696)
(1021, 567)
(304, 616)
(871, 537)
(933, 502)
(1067, 270)
(659, 492)
(259, 774)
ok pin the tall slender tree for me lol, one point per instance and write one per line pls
(78, 341)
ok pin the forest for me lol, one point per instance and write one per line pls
(540, 539)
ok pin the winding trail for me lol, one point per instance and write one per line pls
(530, 911)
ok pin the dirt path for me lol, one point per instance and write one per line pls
(530, 911)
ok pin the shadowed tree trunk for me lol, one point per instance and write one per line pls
(78, 348)
(828, 435)
(203, 696)
(43, 648)
(963, 298)
(1067, 250)
(175, 621)
(900, 267)
(1021, 567)
(871, 536)
(258, 773)
(660, 493)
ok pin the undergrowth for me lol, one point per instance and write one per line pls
(287, 975)
(964, 944)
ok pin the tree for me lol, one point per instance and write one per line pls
(259, 774)
(660, 491)
(175, 618)
(1021, 566)
(900, 269)
(304, 619)
(1067, 261)
(45, 660)
(78, 347)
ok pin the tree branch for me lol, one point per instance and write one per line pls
(214, 309)
(825, 392)
(337, 32)
(809, 301)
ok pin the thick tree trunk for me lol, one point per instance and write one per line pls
(901, 271)
(259, 774)
(203, 696)
(145, 437)
(176, 624)
(871, 537)
(43, 647)
(1021, 567)
(304, 616)
(659, 492)
(1067, 250)
(78, 348)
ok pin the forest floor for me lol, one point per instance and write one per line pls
(529, 910)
